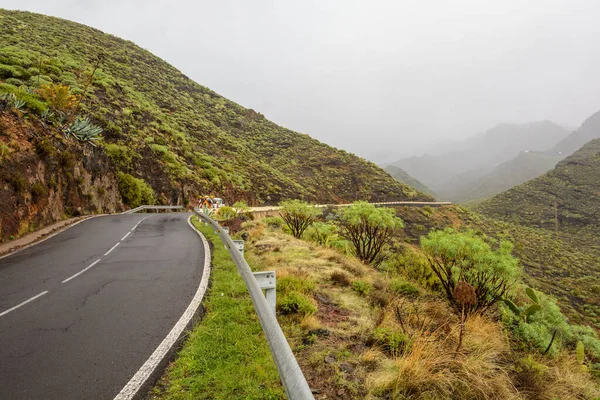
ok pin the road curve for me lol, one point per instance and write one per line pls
(72, 327)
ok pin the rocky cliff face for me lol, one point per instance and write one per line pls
(45, 178)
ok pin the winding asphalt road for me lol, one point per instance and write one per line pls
(93, 323)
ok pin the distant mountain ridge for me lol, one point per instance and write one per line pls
(590, 129)
(446, 172)
(525, 166)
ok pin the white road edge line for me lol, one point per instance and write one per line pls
(22, 304)
(140, 377)
(82, 271)
(125, 237)
(111, 249)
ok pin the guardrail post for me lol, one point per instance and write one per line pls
(268, 282)
(240, 245)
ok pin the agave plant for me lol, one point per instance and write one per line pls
(83, 130)
(47, 114)
(525, 313)
(14, 101)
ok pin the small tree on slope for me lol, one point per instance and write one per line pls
(298, 215)
(462, 256)
(369, 229)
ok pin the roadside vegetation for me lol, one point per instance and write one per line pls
(226, 355)
(399, 329)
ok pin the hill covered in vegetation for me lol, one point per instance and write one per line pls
(566, 198)
(526, 166)
(402, 176)
(91, 121)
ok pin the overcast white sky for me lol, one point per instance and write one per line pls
(372, 77)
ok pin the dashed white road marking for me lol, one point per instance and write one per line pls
(82, 271)
(137, 381)
(111, 249)
(3, 313)
(136, 225)
(22, 304)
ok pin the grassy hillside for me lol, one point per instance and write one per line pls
(571, 191)
(402, 176)
(526, 166)
(164, 137)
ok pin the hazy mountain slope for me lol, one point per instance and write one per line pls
(400, 175)
(482, 153)
(524, 167)
(181, 138)
(590, 129)
(574, 184)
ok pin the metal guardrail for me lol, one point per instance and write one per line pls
(293, 380)
(388, 203)
(142, 208)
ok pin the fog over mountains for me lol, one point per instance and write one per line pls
(501, 158)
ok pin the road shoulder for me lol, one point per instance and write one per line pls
(40, 235)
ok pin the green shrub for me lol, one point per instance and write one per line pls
(66, 159)
(296, 303)
(402, 287)
(298, 215)
(159, 149)
(322, 233)
(44, 148)
(225, 213)
(18, 183)
(121, 156)
(4, 151)
(589, 339)
(291, 283)
(392, 341)
(340, 278)
(14, 81)
(361, 287)
(134, 191)
(454, 255)
(413, 265)
(38, 191)
(538, 330)
(273, 222)
(9, 71)
(369, 229)
(32, 101)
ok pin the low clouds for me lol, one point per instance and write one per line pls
(385, 78)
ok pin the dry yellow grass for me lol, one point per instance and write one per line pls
(433, 370)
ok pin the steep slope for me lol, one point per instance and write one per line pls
(179, 137)
(481, 154)
(571, 192)
(590, 129)
(526, 166)
(402, 176)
